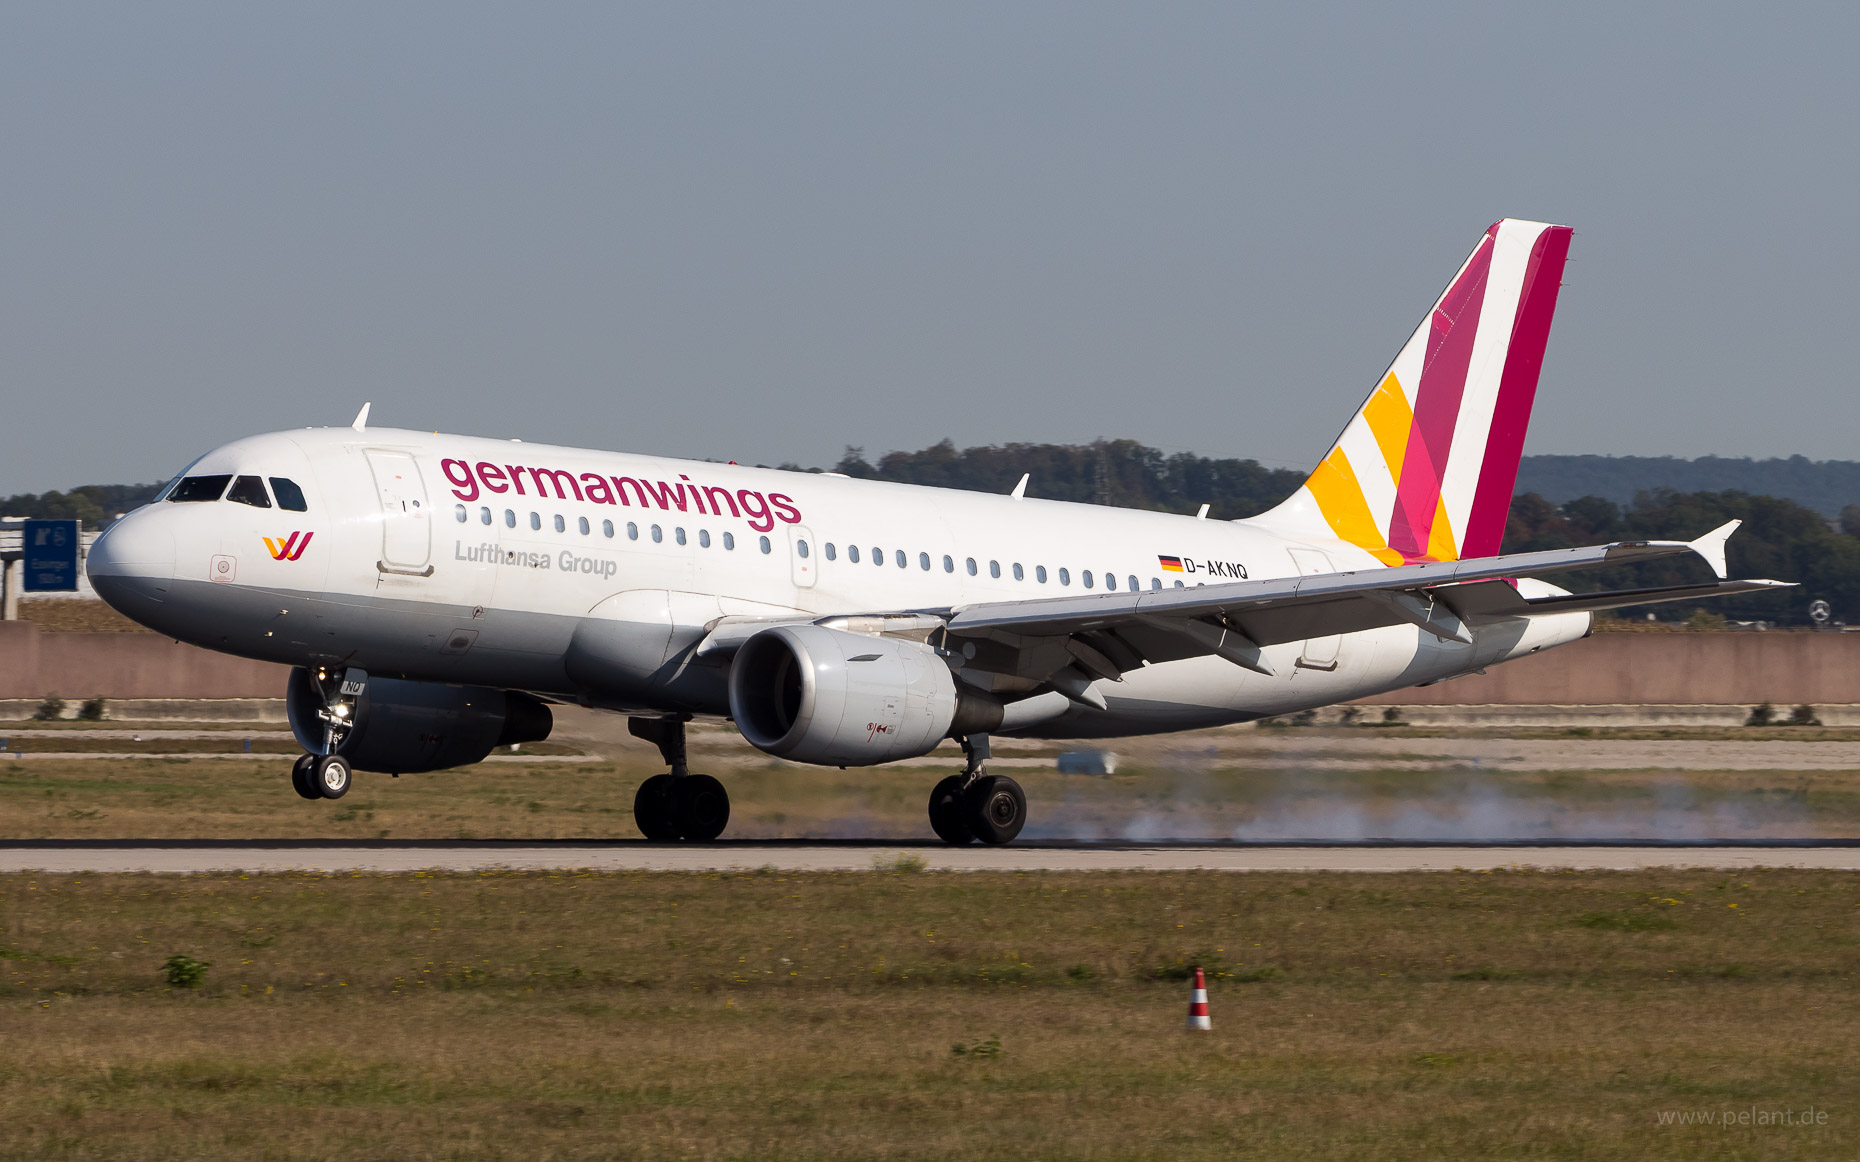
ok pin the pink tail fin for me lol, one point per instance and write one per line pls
(1425, 469)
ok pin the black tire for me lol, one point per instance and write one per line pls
(995, 808)
(332, 775)
(700, 808)
(652, 809)
(302, 781)
(947, 816)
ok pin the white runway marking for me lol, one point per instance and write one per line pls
(797, 857)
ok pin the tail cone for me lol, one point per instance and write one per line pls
(1198, 1005)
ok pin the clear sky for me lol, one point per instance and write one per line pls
(766, 231)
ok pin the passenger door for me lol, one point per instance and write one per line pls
(406, 525)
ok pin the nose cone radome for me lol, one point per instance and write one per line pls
(132, 564)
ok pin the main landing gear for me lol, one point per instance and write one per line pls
(975, 804)
(678, 804)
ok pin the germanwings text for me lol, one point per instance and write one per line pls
(761, 511)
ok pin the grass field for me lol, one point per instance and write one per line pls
(932, 1015)
(182, 796)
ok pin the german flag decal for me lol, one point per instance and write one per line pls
(1170, 564)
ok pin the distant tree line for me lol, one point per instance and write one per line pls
(93, 504)
(1827, 486)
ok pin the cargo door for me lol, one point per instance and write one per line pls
(1319, 653)
(406, 525)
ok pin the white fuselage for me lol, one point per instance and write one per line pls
(590, 576)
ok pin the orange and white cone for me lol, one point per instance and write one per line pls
(1198, 1005)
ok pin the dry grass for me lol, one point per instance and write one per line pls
(178, 796)
(75, 615)
(813, 1016)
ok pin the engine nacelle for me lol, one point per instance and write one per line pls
(819, 695)
(404, 727)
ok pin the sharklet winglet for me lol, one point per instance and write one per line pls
(361, 417)
(1711, 546)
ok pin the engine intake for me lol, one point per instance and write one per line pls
(819, 695)
(404, 727)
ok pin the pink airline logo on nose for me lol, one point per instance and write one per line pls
(288, 550)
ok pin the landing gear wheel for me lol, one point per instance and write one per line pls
(652, 809)
(302, 781)
(331, 775)
(995, 808)
(700, 808)
(947, 817)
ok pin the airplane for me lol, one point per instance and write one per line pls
(435, 594)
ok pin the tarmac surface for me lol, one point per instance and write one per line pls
(68, 856)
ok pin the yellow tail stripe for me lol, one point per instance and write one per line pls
(1441, 544)
(1390, 421)
(1340, 498)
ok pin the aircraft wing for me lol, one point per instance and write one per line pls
(1107, 634)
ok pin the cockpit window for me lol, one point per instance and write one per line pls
(249, 490)
(291, 497)
(200, 488)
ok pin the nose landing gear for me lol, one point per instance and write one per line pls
(975, 804)
(321, 776)
(677, 805)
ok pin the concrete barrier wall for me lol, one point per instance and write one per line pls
(74, 666)
(1672, 669)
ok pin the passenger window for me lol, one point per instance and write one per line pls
(729, 540)
(852, 553)
(607, 529)
(801, 548)
(1179, 585)
(1039, 574)
(1155, 582)
(1065, 576)
(971, 563)
(484, 516)
(290, 497)
(703, 538)
(678, 534)
(878, 556)
(765, 543)
(658, 535)
(923, 561)
(632, 531)
(561, 526)
(536, 521)
(463, 515)
(830, 553)
(1086, 578)
(1019, 573)
(994, 569)
(199, 488)
(250, 489)
(1133, 583)
(898, 558)
(949, 564)
(582, 524)
(510, 518)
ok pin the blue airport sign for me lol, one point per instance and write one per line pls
(51, 554)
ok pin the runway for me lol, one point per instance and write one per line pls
(72, 856)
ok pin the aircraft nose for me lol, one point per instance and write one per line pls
(132, 563)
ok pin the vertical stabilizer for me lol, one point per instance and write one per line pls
(1425, 470)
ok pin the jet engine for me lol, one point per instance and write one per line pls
(395, 726)
(826, 696)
